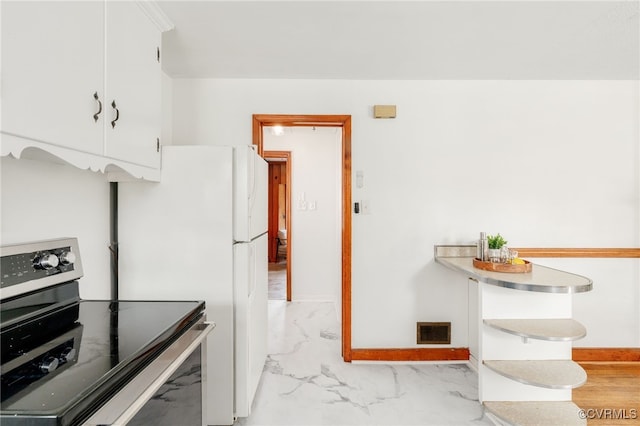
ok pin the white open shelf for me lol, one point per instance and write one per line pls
(553, 329)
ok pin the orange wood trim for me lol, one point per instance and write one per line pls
(346, 240)
(579, 252)
(606, 354)
(291, 120)
(411, 354)
(273, 212)
(287, 195)
(259, 122)
(256, 131)
(287, 156)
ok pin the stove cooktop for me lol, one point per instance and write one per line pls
(63, 357)
(95, 355)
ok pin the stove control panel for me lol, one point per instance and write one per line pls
(31, 266)
(38, 265)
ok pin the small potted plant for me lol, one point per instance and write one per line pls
(495, 243)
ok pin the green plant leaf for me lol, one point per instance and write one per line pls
(496, 241)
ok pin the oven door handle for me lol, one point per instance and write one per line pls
(124, 405)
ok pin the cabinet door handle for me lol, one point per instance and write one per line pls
(97, 98)
(113, 105)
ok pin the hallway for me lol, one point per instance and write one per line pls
(277, 280)
(305, 382)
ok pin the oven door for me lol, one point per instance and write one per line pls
(130, 403)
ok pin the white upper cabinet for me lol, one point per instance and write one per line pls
(133, 84)
(81, 81)
(52, 64)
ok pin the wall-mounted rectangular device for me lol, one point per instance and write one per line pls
(384, 111)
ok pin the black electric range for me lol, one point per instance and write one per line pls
(64, 357)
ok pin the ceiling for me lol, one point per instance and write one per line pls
(403, 40)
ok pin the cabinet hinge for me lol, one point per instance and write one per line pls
(158, 54)
(157, 144)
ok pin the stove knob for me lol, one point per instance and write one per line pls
(49, 364)
(68, 354)
(47, 261)
(67, 258)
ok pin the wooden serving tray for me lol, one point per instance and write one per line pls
(502, 267)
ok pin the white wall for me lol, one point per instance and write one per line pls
(316, 235)
(545, 163)
(43, 200)
(166, 135)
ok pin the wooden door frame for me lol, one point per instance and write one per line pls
(287, 195)
(344, 122)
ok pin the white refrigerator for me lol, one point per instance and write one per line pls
(201, 234)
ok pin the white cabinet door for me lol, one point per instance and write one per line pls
(52, 64)
(133, 82)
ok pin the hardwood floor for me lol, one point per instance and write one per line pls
(278, 280)
(611, 395)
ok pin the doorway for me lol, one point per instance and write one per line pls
(344, 123)
(279, 222)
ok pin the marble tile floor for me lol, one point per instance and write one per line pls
(306, 383)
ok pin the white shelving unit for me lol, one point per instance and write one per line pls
(524, 333)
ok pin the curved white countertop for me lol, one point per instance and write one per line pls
(541, 278)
